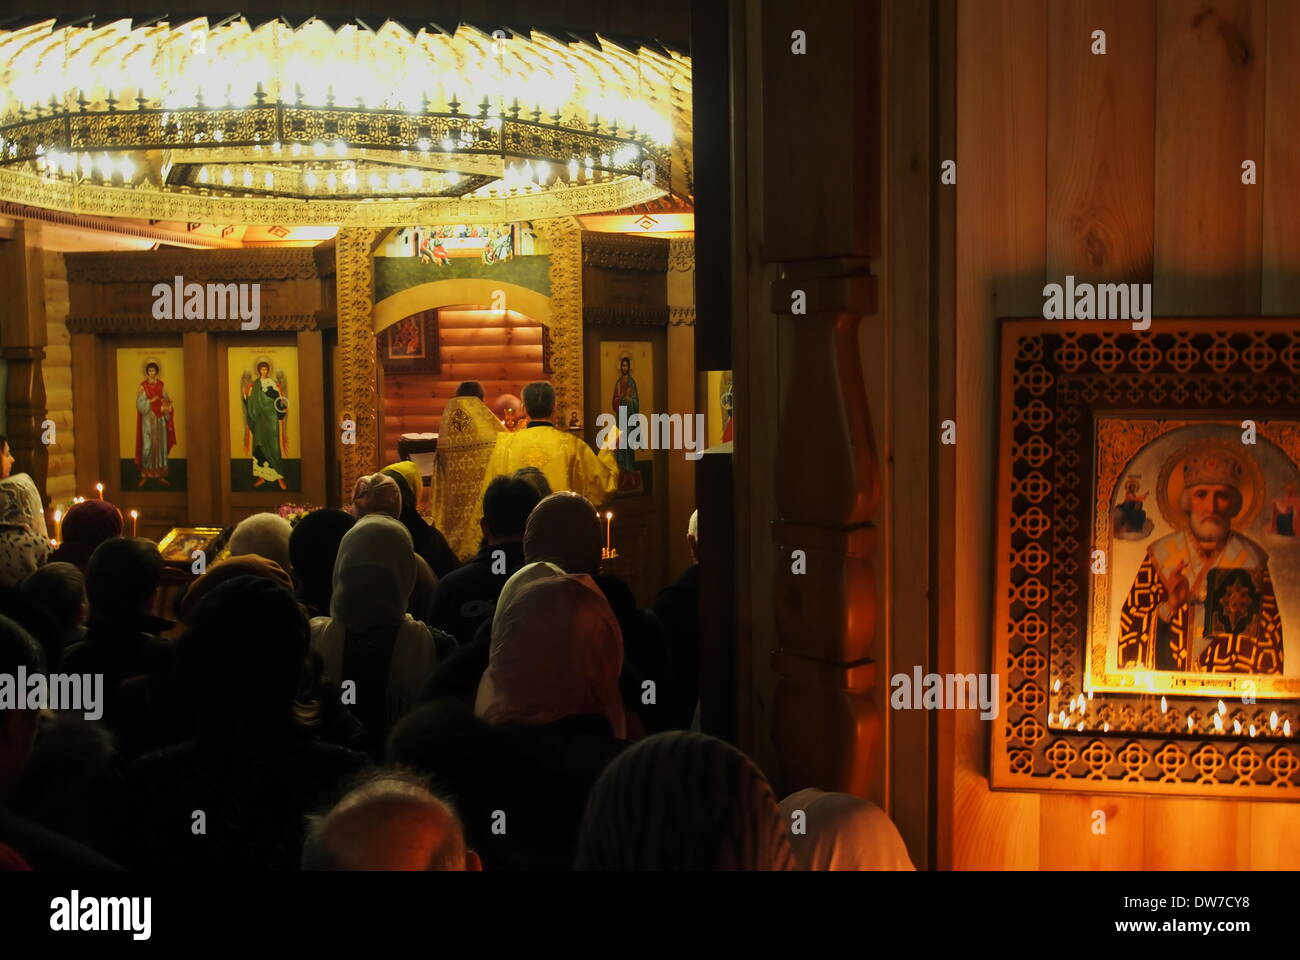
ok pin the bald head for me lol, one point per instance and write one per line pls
(390, 822)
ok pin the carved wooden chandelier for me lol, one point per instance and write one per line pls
(313, 124)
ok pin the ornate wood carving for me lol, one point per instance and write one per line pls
(681, 254)
(565, 356)
(619, 252)
(681, 316)
(137, 323)
(1057, 388)
(358, 392)
(218, 266)
(620, 316)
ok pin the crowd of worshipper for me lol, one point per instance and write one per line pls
(345, 694)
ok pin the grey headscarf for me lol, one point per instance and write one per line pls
(683, 801)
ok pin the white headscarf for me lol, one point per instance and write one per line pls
(843, 832)
(24, 541)
(20, 504)
(556, 652)
(374, 574)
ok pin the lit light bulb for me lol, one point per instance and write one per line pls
(227, 178)
(340, 148)
(1164, 706)
(203, 174)
(1218, 722)
(423, 144)
(1272, 720)
(1222, 708)
(331, 183)
(310, 179)
(268, 180)
(248, 178)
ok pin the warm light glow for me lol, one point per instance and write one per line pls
(538, 105)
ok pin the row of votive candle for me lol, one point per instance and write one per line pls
(99, 489)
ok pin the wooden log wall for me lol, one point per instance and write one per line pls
(502, 353)
(1125, 167)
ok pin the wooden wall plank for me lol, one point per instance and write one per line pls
(1197, 834)
(1210, 118)
(1069, 840)
(1100, 228)
(1001, 145)
(1279, 174)
(1100, 141)
(202, 461)
(312, 422)
(1274, 836)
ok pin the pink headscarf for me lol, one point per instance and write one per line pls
(556, 652)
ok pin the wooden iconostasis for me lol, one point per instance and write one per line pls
(161, 403)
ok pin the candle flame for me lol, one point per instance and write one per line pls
(58, 515)
(609, 515)
(1236, 726)
(1164, 706)
(135, 514)
(1286, 728)
(1222, 709)
(1218, 723)
(1272, 720)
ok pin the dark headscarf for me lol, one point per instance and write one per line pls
(683, 801)
(86, 526)
(313, 545)
(248, 635)
(428, 539)
(244, 565)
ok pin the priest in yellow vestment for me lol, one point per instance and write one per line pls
(566, 461)
(465, 442)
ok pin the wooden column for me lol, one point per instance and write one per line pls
(359, 394)
(23, 335)
(820, 225)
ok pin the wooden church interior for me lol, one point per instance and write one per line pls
(789, 184)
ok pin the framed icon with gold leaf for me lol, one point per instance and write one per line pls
(1148, 592)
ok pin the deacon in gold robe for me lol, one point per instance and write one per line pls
(465, 442)
(565, 460)
(1203, 601)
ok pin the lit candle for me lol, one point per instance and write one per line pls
(99, 489)
(58, 525)
(78, 499)
(135, 523)
(609, 530)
